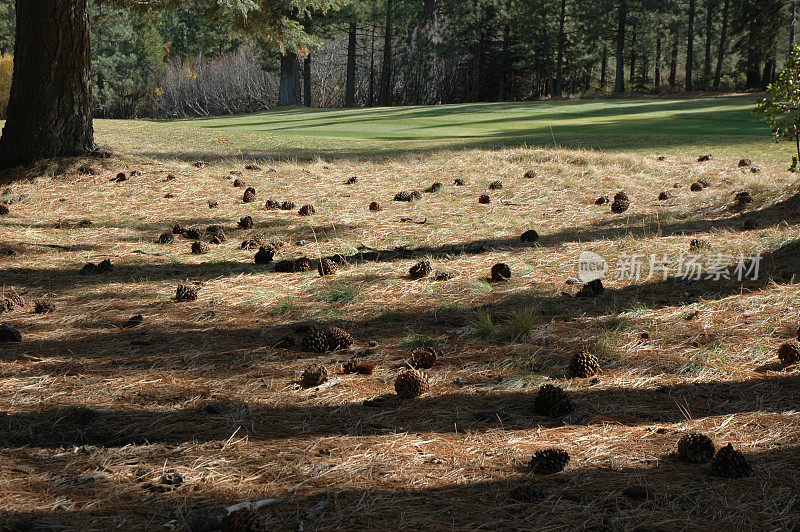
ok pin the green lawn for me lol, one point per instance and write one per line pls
(723, 124)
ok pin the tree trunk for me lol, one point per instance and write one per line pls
(690, 46)
(548, 64)
(560, 54)
(385, 95)
(372, 66)
(49, 110)
(604, 68)
(710, 4)
(289, 89)
(307, 81)
(622, 13)
(632, 73)
(657, 80)
(673, 65)
(350, 82)
(722, 43)
(793, 26)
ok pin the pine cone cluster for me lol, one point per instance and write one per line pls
(326, 267)
(501, 272)
(358, 366)
(246, 222)
(583, 365)
(243, 520)
(789, 353)
(549, 461)
(313, 375)
(200, 248)
(249, 195)
(411, 383)
(423, 358)
(186, 293)
(621, 202)
(420, 270)
(695, 447)
(552, 401)
(730, 463)
(306, 210)
(264, 255)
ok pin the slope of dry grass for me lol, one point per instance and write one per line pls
(95, 414)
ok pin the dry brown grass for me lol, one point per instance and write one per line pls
(200, 389)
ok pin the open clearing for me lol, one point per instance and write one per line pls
(96, 416)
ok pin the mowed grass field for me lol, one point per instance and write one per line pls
(106, 426)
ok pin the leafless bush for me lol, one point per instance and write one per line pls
(230, 84)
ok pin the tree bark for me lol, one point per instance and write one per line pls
(350, 81)
(793, 26)
(673, 65)
(690, 46)
(622, 13)
(722, 43)
(385, 94)
(632, 73)
(657, 80)
(307, 81)
(560, 54)
(710, 4)
(604, 68)
(49, 110)
(289, 89)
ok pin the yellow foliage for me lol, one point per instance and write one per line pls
(6, 70)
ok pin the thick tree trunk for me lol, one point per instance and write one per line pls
(560, 54)
(372, 67)
(350, 77)
(722, 43)
(49, 110)
(622, 13)
(710, 4)
(307, 81)
(289, 89)
(385, 94)
(690, 46)
(673, 65)
(632, 73)
(657, 80)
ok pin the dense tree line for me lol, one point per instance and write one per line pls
(185, 60)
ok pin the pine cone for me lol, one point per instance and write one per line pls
(284, 266)
(529, 236)
(695, 447)
(663, 196)
(696, 186)
(621, 203)
(459, 182)
(351, 180)
(313, 375)
(43, 307)
(501, 272)
(411, 383)
(602, 200)
(420, 270)
(549, 461)
(200, 248)
(402, 196)
(306, 210)
(193, 233)
(326, 267)
(337, 338)
(552, 401)
(696, 245)
(358, 366)
(218, 239)
(215, 229)
(375, 206)
(303, 264)
(436, 187)
(496, 185)
(177, 229)
(415, 195)
(4, 210)
(484, 199)
(166, 238)
(238, 183)
(789, 353)
(246, 222)
(264, 255)
(583, 365)
(243, 520)
(315, 341)
(272, 205)
(287, 205)
(530, 173)
(9, 333)
(730, 463)
(423, 358)
(186, 293)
